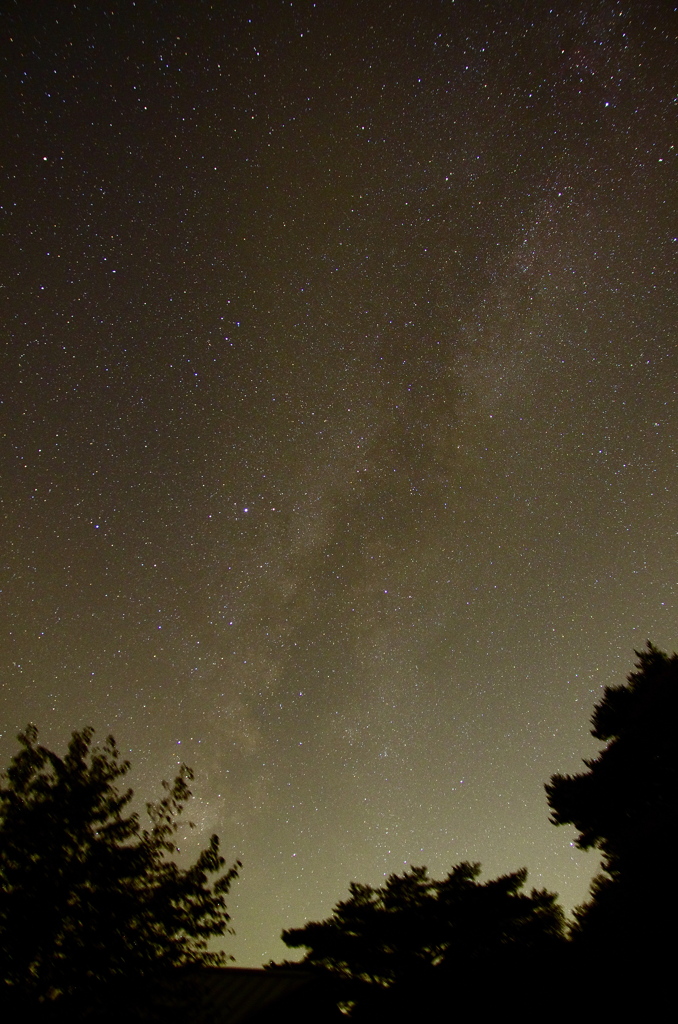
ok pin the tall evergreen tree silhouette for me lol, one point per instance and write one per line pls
(624, 805)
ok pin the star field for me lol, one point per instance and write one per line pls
(338, 415)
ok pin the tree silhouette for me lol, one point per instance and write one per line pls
(625, 807)
(86, 894)
(387, 946)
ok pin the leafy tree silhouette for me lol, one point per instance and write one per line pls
(625, 807)
(387, 948)
(86, 894)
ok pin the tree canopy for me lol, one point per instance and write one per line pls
(415, 933)
(624, 805)
(86, 894)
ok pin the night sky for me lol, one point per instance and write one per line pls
(338, 411)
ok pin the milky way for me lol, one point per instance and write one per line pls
(338, 391)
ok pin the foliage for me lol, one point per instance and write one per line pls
(415, 931)
(86, 894)
(624, 805)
